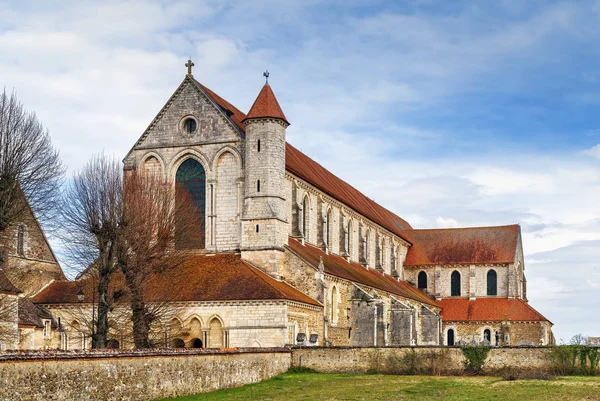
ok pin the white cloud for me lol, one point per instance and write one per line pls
(594, 151)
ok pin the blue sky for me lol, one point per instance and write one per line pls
(460, 113)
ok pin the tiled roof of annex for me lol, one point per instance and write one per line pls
(488, 310)
(338, 266)
(220, 277)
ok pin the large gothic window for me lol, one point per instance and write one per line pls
(455, 284)
(327, 234)
(422, 281)
(492, 283)
(191, 177)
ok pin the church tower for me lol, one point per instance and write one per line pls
(264, 219)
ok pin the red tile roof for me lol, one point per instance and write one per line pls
(312, 172)
(339, 267)
(475, 245)
(266, 105)
(222, 277)
(488, 310)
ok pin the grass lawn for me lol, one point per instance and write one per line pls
(321, 386)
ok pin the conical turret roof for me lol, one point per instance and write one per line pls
(266, 106)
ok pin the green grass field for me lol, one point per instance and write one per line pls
(320, 386)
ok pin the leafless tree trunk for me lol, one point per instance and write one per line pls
(155, 215)
(29, 164)
(91, 210)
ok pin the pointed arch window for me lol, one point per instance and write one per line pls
(349, 239)
(305, 218)
(455, 284)
(333, 306)
(327, 233)
(487, 336)
(492, 282)
(21, 240)
(422, 281)
(191, 177)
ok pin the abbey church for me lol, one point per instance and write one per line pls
(292, 254)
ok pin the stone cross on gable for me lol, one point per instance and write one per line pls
(189, 66)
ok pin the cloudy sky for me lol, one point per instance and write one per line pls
(461, 113)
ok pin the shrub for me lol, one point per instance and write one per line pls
(575, 359)
(475, 357)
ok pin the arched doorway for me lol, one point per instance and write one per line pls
(191, 178)
(196, 343)
(178, 343)
(487, 336)
(450, 337)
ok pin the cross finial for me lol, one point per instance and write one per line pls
(266, 75)
(189, 66)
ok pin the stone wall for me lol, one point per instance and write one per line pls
(368, 359)
(123, 376)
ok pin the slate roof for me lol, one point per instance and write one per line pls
(339, 267)
(312, 172)
(450, 246)
(266, 105)
(221, 277)
(488, 310)
(32, 315)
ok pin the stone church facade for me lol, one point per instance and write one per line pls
(291, 254)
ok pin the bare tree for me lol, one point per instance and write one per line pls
(579, 339)
(29, 165)
(156, 217)
(91, 211)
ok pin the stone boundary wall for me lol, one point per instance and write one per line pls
(370, 359)
(133, 375)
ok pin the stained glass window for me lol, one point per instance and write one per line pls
(192, 178)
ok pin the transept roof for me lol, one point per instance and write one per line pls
(452, 246)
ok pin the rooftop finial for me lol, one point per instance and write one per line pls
(266, 75)
(189, 66)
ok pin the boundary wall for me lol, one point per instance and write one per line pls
(429, 358)
(133, 375)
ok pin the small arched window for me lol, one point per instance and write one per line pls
(257, 228)
(487, 336)
(450, 337)
(21, 240)
(258, 146)
(305, 219)
(349, 238)
(327, 233)
(455, 284)
(422, 281)
(333, 306)
(492, 282)
(257, 185)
